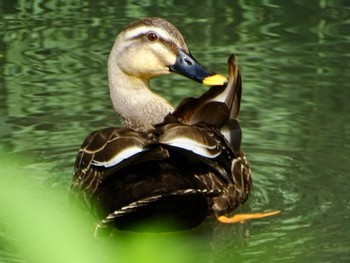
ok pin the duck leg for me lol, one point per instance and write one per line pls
(241, 218)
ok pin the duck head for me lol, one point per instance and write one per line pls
(144, 49)
(150, 47)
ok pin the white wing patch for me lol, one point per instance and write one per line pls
(119, 157)
(194, 146)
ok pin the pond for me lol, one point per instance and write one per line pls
(295, 113)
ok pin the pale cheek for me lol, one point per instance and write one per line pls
(134, 62)
(155, 62)
(147, 62)
(167, 57)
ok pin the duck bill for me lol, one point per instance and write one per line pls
(188, 66)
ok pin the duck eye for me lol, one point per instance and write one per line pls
(152, 36)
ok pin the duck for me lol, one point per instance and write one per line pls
(173, 166)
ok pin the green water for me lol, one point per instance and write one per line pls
(295, 114)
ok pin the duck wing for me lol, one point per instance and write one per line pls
(118, 169)
(167, 181)
(101, 151)
(173, 175)
(216, 106)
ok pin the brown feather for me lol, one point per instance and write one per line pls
(217, 105)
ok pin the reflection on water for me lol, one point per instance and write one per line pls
(295, 114)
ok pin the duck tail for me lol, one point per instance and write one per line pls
(133, 207)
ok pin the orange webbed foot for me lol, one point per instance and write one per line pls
(241, 218)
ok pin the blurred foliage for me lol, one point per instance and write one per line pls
(44, 227)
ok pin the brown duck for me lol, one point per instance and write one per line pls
(173, 166)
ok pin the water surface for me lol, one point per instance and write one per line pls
(295, 62)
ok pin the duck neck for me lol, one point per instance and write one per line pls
(132, 99)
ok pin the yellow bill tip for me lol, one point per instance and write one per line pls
(215, 80)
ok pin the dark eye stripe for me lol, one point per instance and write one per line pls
(170, 45)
